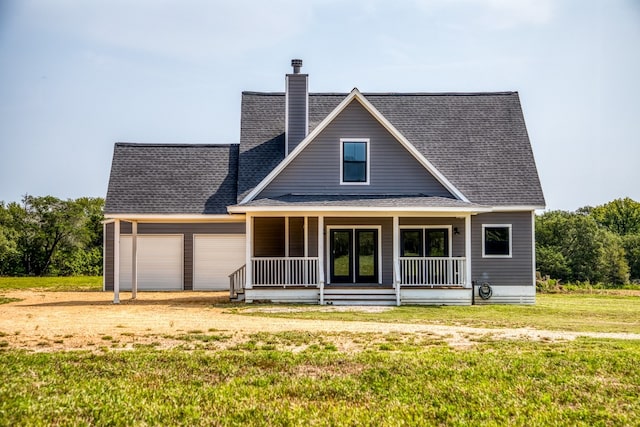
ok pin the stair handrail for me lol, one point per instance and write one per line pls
(237, 280)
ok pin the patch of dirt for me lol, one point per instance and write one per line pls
(53, 321)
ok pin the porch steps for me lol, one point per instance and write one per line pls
(239, 297)
(359, 296)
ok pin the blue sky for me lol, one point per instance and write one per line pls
(78, 75)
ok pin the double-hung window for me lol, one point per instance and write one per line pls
(354, 165)
(496, 240)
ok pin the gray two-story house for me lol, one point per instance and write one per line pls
(345, 198)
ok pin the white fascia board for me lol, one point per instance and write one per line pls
(296, 151)
(173, 217)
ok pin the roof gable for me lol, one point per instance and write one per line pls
(354, 96)
(392, 169)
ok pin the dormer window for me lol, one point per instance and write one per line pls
(354, 166)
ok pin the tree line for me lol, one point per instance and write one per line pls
(48, 236)
(593, 244)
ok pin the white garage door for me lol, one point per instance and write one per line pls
(160, 262)
(215, 257)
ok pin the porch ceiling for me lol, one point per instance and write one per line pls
(363, 203)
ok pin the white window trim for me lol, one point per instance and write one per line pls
(367, 142)
(353, 266)
(509, 226)
(449, 229)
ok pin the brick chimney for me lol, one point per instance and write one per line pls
(296, 118)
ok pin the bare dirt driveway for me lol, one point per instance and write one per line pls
(51, 321)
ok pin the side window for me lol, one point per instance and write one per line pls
(354, 165)
(496, 240)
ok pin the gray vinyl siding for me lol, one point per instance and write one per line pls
(187, 230)
(313, 236)
(386, 241)
(268, 237)
(393, 170)
(296, 236)
(514, 271)
(297, 100)
(457, 240)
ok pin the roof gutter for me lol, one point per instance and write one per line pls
(173, 217)
(252, 209)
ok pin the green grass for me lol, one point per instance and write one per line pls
(6, 300)
(579, 312)
(587, 382)
(67, 284)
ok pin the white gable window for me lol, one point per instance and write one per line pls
(354, 161)
(496, 240)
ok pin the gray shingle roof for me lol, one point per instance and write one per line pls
(172, 179)
(374, 201)
(478, 141)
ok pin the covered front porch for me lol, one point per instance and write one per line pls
(356, 257)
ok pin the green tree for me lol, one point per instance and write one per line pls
(631, 243)
(574, 247)
(46, 235)
(613, 267)
(86, 256)
(8, 246)
(551, 262)
(621, 216)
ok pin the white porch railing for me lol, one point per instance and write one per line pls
(432, 271)
(237, 280)
(285, 271)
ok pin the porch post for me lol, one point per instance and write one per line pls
(249, 251)
(134, 259)
(467, 250)
(396, 257)
(321, 257)
(116, 261)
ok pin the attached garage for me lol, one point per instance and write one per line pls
(215, 257)
(160, 262)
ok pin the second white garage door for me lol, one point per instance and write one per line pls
(160, 262)
(215, 257)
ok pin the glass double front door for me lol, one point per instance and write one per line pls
(354, 255)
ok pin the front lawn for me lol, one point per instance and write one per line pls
(586, 382)
(571, 312)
